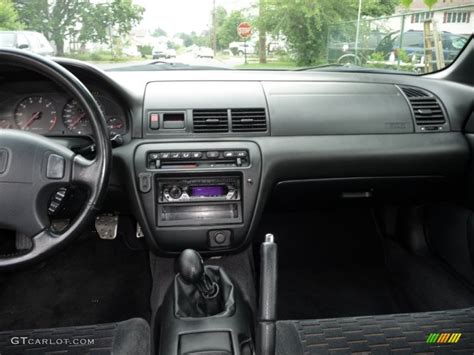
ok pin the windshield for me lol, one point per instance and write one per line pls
(412, 37)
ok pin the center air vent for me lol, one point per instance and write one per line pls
(210, 121)
(248, 120)
(426, 108)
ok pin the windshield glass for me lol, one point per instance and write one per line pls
(407, 36)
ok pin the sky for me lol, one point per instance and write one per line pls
(183, 15)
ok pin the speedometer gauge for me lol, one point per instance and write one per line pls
(116, 125)
(75, 119)
(36, 114)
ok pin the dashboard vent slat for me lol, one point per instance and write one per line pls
(412, 92)
(426, 108)
(210, 121)
(249, 120)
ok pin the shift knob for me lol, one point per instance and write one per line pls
(190, 266)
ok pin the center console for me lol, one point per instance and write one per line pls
(198, 195)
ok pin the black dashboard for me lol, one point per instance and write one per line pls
(206, 151)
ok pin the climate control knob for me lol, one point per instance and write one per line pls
(175, 192)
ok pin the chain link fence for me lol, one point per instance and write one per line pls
(413, 41)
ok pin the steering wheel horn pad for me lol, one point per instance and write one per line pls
(33, 167)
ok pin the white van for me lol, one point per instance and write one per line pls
(28, 40)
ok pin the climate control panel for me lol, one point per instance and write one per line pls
(197, 159)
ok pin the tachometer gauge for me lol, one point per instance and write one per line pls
(116, 125)
(36, 114)
(75, 119)
(5, 124)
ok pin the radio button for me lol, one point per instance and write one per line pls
(197, 155)
(213, 154)
(175, 192)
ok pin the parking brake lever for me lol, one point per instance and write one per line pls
(266, 329)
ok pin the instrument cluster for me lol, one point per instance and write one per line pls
(55, 114)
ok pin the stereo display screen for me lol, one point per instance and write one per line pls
(207, 191)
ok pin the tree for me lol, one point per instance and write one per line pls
(158, 32)
(8, 16)
(55, 19)
(60, 19)
(227, 29)
(103, 20)
(305, 23)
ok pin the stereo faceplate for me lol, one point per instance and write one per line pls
(199, 189)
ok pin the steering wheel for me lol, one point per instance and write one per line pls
(33, 167)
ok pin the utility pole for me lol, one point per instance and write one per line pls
(262, 35)
(214, 30)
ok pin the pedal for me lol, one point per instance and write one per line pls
(106, 226)
(139, 233)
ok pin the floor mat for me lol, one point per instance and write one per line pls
(442, 332)
(91, 281)
(331, 264)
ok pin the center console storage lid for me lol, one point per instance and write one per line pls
(205, 343)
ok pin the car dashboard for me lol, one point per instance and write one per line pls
(206, 152)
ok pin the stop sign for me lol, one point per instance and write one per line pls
(244, 30)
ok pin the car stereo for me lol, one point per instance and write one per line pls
(199, 189)
(199, 200)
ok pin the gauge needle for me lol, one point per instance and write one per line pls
(77, 120)
(35, 116)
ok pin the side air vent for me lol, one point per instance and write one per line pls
(210, 121)
(412, 92)
(426, 108)
(249, 120)
(427, 111)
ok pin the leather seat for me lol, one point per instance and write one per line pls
(425, 332)
(122, 338)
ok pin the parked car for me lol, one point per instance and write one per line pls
(28, 40)
(204, 52)
(412, 44)
(240, 48)
(343, 52)
(167, 53)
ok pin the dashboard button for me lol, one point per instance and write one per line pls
(212, 154)
(154, 121)
(175, 155)
(241, 154)
(165, 155)
(186, 155)
(229, 154)
(55, 168)
(144, 182)
(197, 155)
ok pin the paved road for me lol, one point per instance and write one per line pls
(186, 58)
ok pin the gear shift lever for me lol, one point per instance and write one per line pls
(191, 268)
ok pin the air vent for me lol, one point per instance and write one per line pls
(427, 111)
(412, 92)
(426, 108)
(249, 120)
(210, 121)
